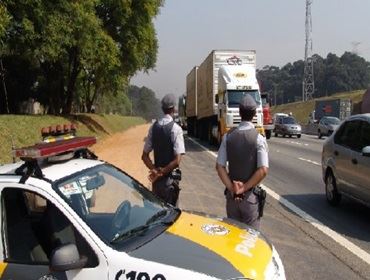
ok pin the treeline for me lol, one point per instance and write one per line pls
(71, 55)
(331, 74)
(144, 103)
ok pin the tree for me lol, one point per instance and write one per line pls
(83, 48)
(4, 21)
(144, 103)
(333, 74)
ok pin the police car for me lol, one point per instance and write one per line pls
(51, 230)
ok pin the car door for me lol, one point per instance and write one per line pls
(361, 164)
(33, 227)
(344, 143)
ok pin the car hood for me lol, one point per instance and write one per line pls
(332, 126)
(217, 247)
(292, 126)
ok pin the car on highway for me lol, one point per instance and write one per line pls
(327, 125)
(287, 126)
(51, 231)
(346, 161)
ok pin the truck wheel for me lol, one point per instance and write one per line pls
(290, 135)
(219, 138)
(268, 134)
(299, 136)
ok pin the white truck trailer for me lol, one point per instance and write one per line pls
(214, 90)
(191, 101)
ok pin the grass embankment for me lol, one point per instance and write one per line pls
(301, 110)
(25, 130)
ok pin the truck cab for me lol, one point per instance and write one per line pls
(234, 82)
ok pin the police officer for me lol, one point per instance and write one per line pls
(246, 152)
(166, 140)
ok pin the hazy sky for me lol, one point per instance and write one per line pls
(188, 30)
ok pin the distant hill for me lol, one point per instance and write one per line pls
(301, 110)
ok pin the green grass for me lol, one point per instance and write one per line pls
(301, 110)
(24, 130)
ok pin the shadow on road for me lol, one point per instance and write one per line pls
(350, 218)
(192, 147)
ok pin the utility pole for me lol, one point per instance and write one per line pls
(2, 74)
(308, 77)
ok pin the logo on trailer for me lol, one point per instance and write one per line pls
(213, 229)
(234, 60)
(240, 75)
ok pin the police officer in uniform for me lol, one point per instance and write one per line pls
(166, 140)
(246, 152)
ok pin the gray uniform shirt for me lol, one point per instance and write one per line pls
(262, 148)
(177, 137)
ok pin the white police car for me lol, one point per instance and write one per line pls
(51, 231)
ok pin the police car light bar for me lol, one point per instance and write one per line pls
(43, 150)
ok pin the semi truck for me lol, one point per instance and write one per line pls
(191, 102)
(340, 108)
(214, 90)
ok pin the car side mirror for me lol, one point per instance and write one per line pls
(366, 151)
(66, 257)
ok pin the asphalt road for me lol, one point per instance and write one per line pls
(314, 240)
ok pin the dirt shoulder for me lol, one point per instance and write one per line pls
(124, 151)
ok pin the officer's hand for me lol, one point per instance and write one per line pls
(154, 174)
(238, 187)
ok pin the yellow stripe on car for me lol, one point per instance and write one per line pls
(2, 268)
(243, 249)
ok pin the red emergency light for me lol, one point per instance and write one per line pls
(43, 150)
(58, 132)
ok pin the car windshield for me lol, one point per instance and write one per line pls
(331, 120)
(289, 120)
(264, 101)
(114, 205)
(234, 96)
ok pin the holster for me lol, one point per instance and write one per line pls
(261, 194)
(173, 192)
(174, 186)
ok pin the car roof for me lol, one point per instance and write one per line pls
(364, 117)
(329, 117)
(58, 170)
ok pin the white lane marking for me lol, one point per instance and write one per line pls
(310, 161)
(324, 229)
(317, 224)
(203, 147)
(297, 143)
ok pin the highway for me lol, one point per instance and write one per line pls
(314, 240)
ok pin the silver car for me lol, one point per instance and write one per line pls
(327, 125)
(346, 161)
(286, 125)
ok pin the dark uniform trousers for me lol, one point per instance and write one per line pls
(167, 189)
(245, 211)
